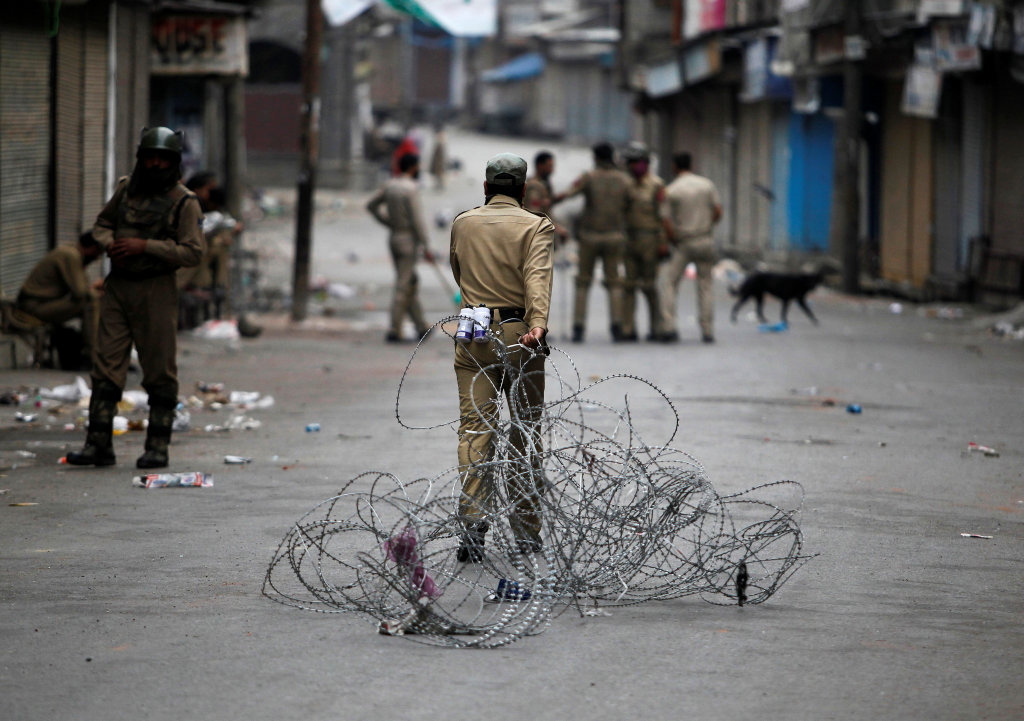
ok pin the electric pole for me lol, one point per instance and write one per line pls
(309, 148)
(849, 148)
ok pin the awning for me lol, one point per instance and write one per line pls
(523, 67)
(340, 12)
(461, 18)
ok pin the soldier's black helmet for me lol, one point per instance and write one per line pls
(162, 139)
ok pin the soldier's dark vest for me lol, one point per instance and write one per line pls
(151, 216)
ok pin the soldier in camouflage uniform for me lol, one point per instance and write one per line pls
(602, 235)
(149, 228)
(645, 238)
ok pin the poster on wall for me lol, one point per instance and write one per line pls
(199, 45)
(921, 91)
(952, 51)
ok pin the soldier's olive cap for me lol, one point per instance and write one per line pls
(163, 139)
(506, 169)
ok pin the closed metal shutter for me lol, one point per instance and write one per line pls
(972, 168)
(24, 143)
(68, 140)
(94, 116)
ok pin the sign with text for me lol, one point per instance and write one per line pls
(199, 45)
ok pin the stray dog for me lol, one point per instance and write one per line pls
(784, 286)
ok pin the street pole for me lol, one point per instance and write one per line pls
(234, 172)
(849, 147)
(309, 147)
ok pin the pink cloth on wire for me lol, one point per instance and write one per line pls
(402, 550)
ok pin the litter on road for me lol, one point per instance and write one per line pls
(976, 535)
(195, 479)
(973, 447)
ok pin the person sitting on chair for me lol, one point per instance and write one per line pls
(57, 289)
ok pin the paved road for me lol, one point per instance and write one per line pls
(117, 603)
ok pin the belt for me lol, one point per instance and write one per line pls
(510, 313)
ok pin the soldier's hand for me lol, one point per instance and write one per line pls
(533, 338)
(124, 247)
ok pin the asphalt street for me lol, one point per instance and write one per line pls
(121, 603)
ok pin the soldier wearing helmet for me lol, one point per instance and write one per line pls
(149, 228)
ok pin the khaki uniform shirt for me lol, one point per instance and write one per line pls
(185, 250)
(538, 196)
(59, 273)
(646, 196)
(690, 202)
(501, 256)
(397, 205)
(606, 190)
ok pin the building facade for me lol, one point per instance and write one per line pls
(756, 89)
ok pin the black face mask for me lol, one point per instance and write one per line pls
(152, 181)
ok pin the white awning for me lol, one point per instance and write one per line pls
(461, 18)
(339, 12)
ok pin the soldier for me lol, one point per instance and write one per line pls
(602, 235)
(57, 290)
(501, 256)
(645, 239)
(404, 218)
(538, 194)
(150, 227)
(692, 208)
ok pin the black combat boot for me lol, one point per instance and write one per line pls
(471, 543)
(158, 432)
(99, 448)
(577, 334)
(616, 332)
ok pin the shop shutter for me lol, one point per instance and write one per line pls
(972, 168)
(24, 143)
(68, 140)
(94, 117)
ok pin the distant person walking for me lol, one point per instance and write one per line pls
(692, 208)
(397, 206)
(439, 157)
(645, 236)
(601, 236)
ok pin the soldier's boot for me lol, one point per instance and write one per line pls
(471, 543)
(99, 447)
(577, 334)
(616, 332)
(158, 433)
